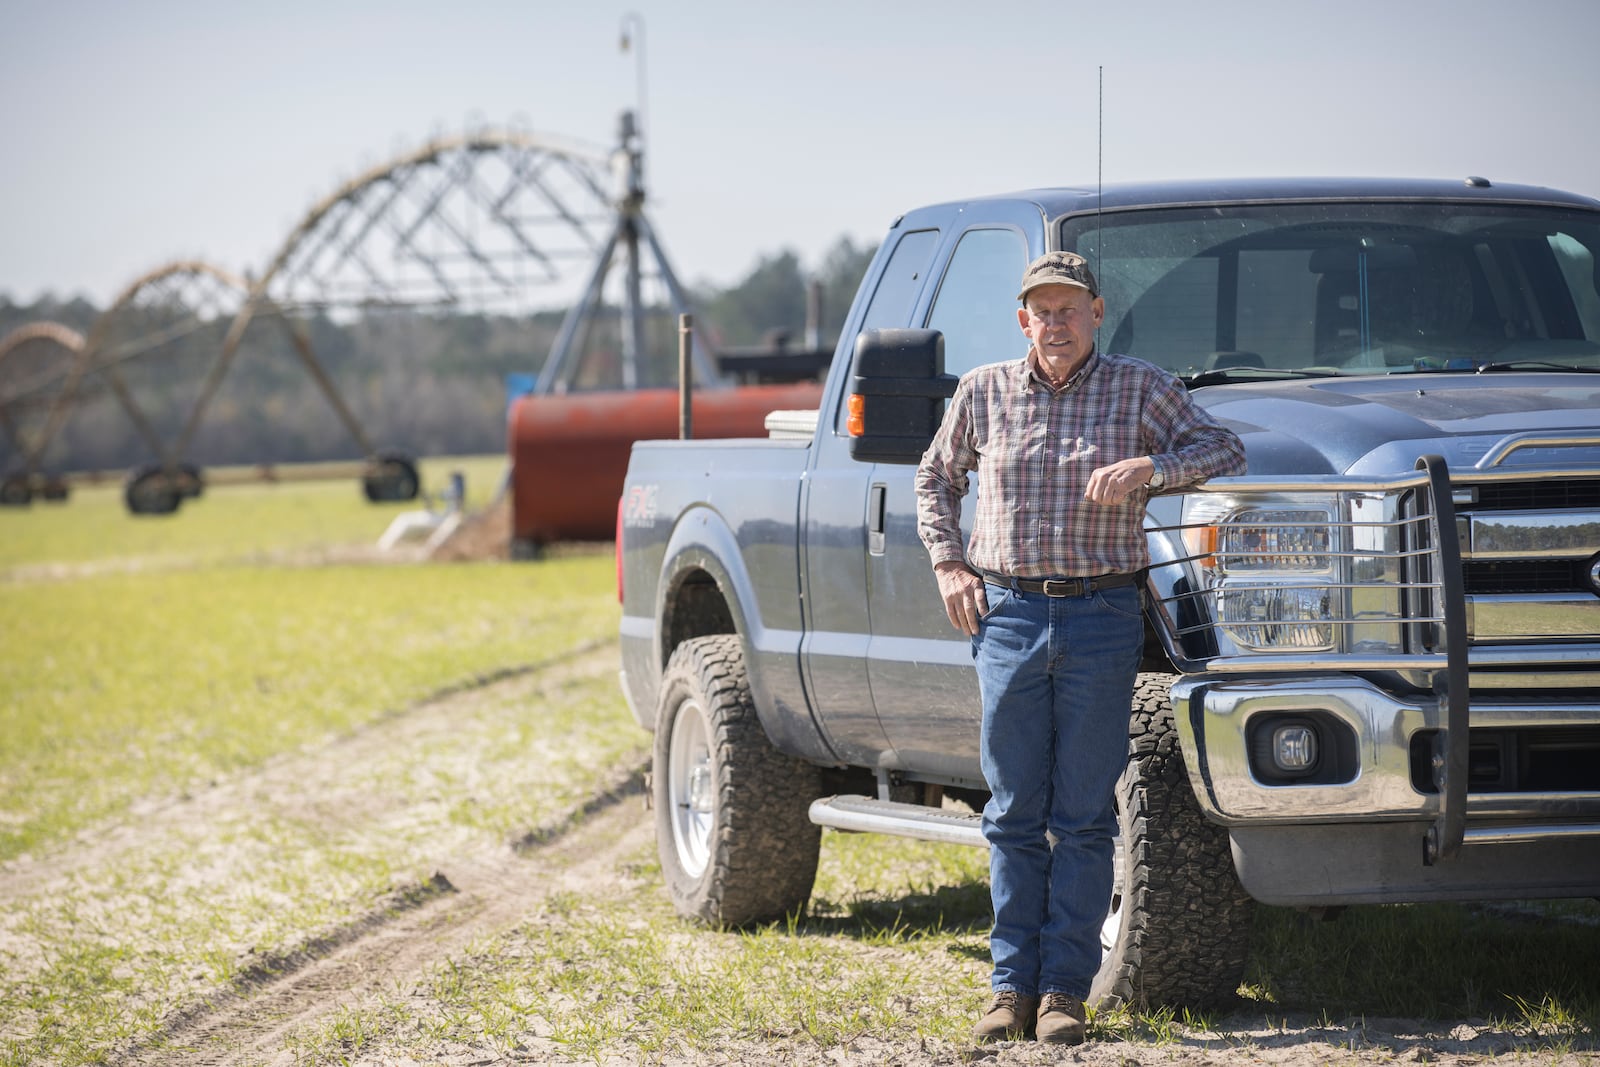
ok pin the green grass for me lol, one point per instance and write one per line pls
(128, 940)
(901, 956)
(241, 522)
(892, 963)
(118, 686)
(1438, 961)
(205, 656)
(129, 679)
(894, 951)
(158, 670)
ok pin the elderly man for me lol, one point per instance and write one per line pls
(1067, 443)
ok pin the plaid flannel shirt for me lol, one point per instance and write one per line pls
(1033, 449)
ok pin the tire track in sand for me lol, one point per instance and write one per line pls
(396, 945)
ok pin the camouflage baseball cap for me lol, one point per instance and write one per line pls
(1059, 268)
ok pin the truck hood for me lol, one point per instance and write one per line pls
(1379, 425)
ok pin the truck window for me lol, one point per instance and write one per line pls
(1577, 265)
(901, 281)
(1346, 288)
(896, 292)
(976, 305)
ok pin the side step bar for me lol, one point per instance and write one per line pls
(873, 816)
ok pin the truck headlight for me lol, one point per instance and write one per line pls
(1277, 618)
(1272, 568)
(1268, 540)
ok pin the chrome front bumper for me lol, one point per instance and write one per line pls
(1213, 719)
(1367, 840)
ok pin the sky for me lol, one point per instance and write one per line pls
(136, 134)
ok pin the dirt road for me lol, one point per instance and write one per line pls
(470, 897)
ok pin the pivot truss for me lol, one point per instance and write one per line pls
(495, 221)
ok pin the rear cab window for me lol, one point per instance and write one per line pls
(895, 295)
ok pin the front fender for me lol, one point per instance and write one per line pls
(705, 587)
(702, 548)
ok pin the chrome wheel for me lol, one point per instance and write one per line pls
(732, 830)
(689, 788)
(1112, 927)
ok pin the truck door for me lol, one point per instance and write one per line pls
(833, 501)
(923, 683)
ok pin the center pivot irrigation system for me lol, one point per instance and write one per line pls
(486, 222)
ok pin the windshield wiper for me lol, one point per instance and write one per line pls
(1253, 374)
(1535, 364)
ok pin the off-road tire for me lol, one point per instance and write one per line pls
(760, 855)
(1185, 921)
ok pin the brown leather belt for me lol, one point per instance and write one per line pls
(1065, 586)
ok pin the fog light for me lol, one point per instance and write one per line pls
(1294, 748)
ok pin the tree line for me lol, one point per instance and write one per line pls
(421, 382)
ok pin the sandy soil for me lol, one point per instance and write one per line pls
(391, 951)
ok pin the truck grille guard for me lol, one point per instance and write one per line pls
(1408, 550)
(1448, 832)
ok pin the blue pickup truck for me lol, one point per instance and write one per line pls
(1372, 663)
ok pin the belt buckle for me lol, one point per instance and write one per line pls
(1061, 586)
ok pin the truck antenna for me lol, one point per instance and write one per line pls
(1099, 163)
(1100, 166)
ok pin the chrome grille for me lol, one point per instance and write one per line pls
(1527, 547)
(1524, 576)
(1546, 495)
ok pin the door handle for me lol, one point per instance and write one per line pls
(877, 508)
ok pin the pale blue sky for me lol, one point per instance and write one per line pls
(133, 134)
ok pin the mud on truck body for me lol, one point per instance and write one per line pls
(1372, 663)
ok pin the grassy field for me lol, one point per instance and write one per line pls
(223, 736)
(151, 663)
(243, 523)
(149, 653)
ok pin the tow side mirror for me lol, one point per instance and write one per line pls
(897, 392)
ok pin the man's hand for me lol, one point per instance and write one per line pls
(1112, 484)
(964, 598)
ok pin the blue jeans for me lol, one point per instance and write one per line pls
(1056, 675)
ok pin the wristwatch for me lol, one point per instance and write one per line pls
(1157, 480)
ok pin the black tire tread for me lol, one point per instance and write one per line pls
(1186, 920)
(765, 849)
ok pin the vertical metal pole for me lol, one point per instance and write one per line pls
(632, 313)
(685, 376)
(814, 315)
(630, 208)
(633, 27)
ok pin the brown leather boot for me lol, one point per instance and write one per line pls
(1009, 1018)
(1061, 1019)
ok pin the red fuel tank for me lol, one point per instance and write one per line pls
(569, 452)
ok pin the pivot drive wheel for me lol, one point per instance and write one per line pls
(1179, 927)
(736, 844)
(16, 491)
(150, 490)
(389, 478)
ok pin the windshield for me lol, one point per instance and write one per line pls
(1346, 288)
